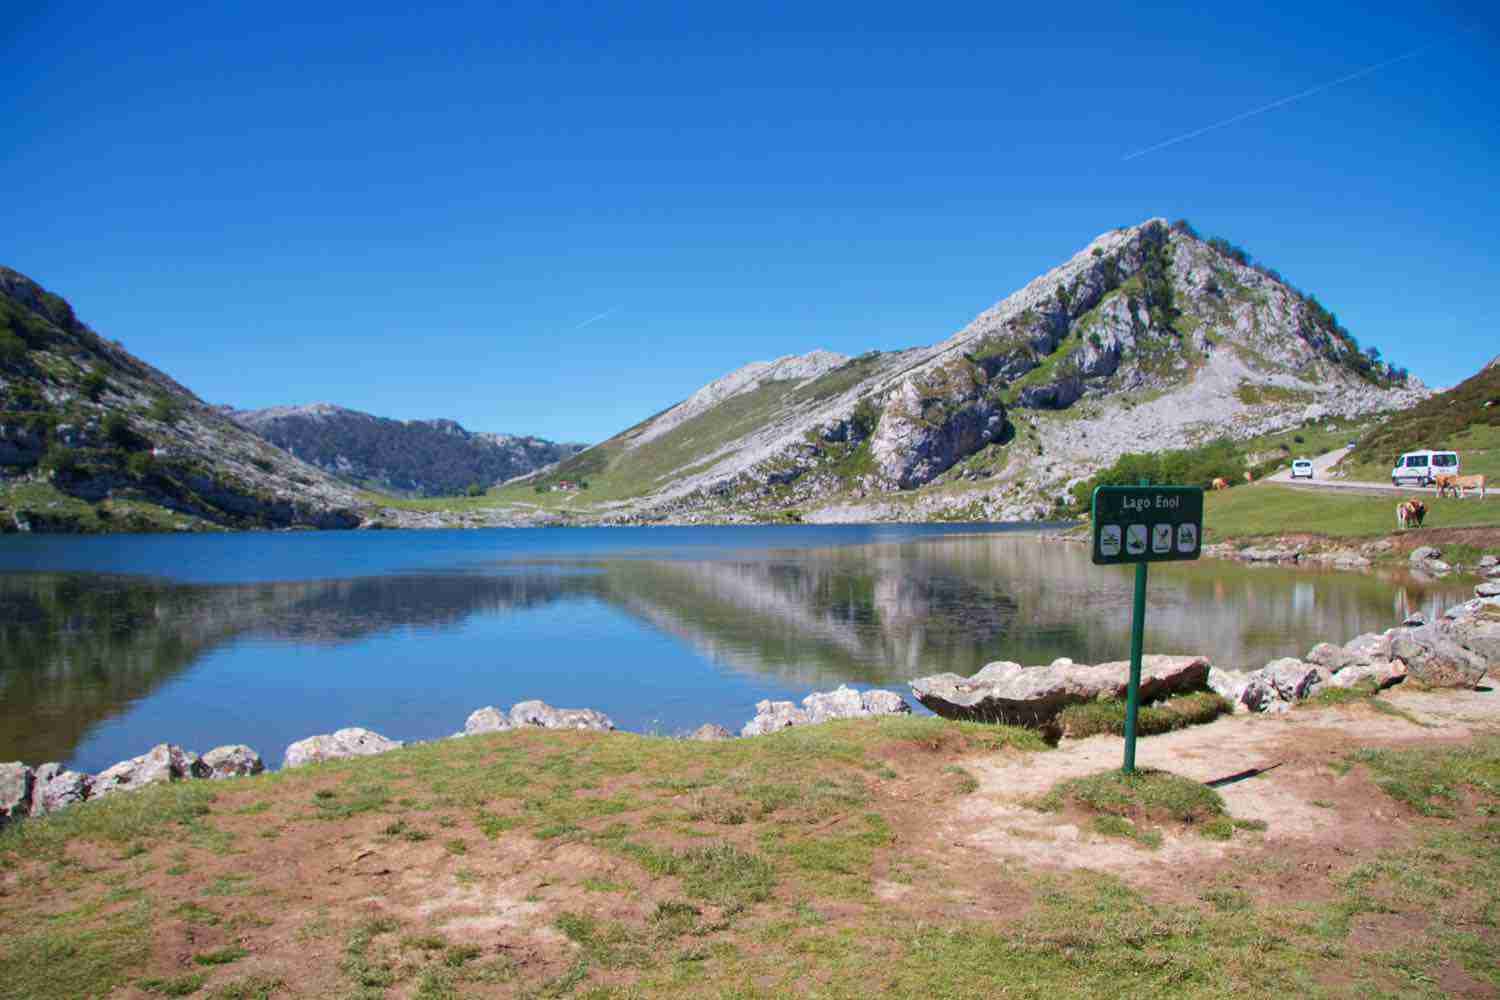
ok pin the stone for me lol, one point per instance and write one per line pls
(16, 784)
(1383, 674)
(1424, 553)
(57, 788)
(1228, 684)
(350, 742)
(1435, 660)
(163, 762)
(233, 761)
(1493, 573)
(1254, 555)
(1432, 567)
(486, 720)
(1414, 620)
(1292, 679)
(822, 706)
(1008, 692)
(1488, 589)
(1326, 654)
(544, 716)
(1487, 563)
(771, 716)
(1370, 647)
(710, 733)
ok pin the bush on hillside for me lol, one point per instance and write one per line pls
(1188, 467)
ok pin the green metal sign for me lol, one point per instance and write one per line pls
(1144, 524)
(1141, 524)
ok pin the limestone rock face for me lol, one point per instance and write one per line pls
(487, 720)
(163, 762)
(57, 788)
(351, 742)
(710, 733)
(934, 419)
(1008, 692)
(822, 706)
(16, 784)
(232, 761)
(1435, 660)
(543, 715)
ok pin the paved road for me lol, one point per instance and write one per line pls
(1320, 480)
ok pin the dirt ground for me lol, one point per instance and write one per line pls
(1311, 808)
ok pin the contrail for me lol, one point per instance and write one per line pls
(1277, 104)
(594, 319)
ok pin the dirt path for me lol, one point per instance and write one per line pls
(1310, 807)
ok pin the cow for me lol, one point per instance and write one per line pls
(1456, 485)
(1409, 513)
(1220, 483)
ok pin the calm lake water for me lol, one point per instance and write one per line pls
(109, 645)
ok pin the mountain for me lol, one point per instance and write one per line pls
(93, 438)
(423, 457)
(1465, 417)
(1150, 338)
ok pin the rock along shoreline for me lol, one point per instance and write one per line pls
(1457, 650)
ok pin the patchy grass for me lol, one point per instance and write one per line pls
(1145, 795)
(1095, 717)
(835, 880)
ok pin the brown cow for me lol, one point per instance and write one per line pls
(1457, 485)
(1409, 513)
(1220, 483)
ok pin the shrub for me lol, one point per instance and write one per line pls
(117, 430)
(140, 464)
(475, 490)
(12, 348)
(60, 459)
(94, 384)
(165, 409)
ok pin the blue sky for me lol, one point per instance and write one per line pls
(559, 220)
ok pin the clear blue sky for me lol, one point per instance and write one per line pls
(424, 212)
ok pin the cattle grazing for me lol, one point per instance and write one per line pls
(1220, 483)
(1458, 485)
(1409, 513)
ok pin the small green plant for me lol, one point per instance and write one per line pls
(164, 409)
(94, 384)
(220, 956)
(174, 986)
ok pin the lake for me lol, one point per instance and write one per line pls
(109, 645)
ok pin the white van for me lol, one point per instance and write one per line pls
(1302, 468)
(1420, 468)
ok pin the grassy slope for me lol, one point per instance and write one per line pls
(802, 863)
(1269, 509)
(1457, 419)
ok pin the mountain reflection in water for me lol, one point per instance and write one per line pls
(94, 667)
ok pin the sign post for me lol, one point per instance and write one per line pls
(1142, 525)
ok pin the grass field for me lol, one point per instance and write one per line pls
(1269, 509)
(1478, 448)
(537, 864)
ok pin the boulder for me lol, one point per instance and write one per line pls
(57, 788)
(1292, 679)
(1268, 555)
(1487, 563)
(16, 784)
(1384, 674)
(1326, 654)
(351, 742)
(1493, 573)
(233, 761)
(821, 706)
(1488, 589)
(1478, 636)
(1369, 647)
(1228, 684)
(544, 716)
(1008, 692)
(486, 720)
(163, 762)
(1414, 620)
(1424, 553)
(710, 733)
(1435, 660)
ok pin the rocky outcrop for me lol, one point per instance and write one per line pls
(710, 733)
(823, 706)
(351, 742)
(235, 761)
(934, 419)
(1032, 696)
(486, 720)
(1435, 659)
(163, 762)
(544, 716)
(1280, 684)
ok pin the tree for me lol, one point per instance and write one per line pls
(475, 490)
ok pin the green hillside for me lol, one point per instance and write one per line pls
(1465, 418)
